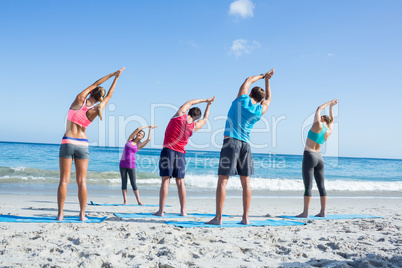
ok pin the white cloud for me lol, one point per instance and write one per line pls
(242, 8)
(331, 55)
(242, 46)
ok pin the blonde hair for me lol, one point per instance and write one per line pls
(99, 111)
(98, 93)
(327, 119)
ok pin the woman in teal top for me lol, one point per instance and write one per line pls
(313, 164)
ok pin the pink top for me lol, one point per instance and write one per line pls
(79, 116)
(177, 133)
(128, 157)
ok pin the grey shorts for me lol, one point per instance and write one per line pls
(68, 150)
(235, 158)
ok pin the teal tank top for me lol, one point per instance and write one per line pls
(318, 137)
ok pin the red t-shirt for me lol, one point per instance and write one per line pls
(177, 133)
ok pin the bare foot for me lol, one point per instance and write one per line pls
(321, 214)
(60, 217)
(183, 214)
(214, 221)
(125, 203)
(303, 215)
(245, 221)
(83, 218)
(140, 203)
(158, 213)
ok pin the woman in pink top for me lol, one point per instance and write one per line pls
(75, 142)
(127, 162)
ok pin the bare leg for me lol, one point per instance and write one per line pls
(323, 201)
(137, 196)
(245, 183)
(65, 169)
(163, 195)
(181, 189)
(124, 192)
(220, 199)
(307, 200)
(81, 167)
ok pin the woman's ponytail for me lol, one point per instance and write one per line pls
(98, 93)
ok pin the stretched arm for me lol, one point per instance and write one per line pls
(265, 103)
(99, 82)
(135, 132)
(317, 116)
(185, 107)
(331, 112)
(142, 144)
(245, 87)
(200, 123)
(99, 108)
(83, 95)
(106, 99)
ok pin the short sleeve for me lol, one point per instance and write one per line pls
(259, 110)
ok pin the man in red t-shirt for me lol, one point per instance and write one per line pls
(172, 161)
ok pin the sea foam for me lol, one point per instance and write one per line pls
(204, 181)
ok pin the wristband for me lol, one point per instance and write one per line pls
(262, 76)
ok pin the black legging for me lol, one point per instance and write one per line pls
(131, 174)
(313, 165)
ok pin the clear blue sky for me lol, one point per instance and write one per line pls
(179, 50)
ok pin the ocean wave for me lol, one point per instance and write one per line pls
(205, 181)
(280, 184)
(33, 175)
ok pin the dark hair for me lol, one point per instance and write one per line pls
(195, 113)
(98, 93)
(257, 93)
(140, 132)
(327, 119)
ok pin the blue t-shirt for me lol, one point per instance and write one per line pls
(242, 116)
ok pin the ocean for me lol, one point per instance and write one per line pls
(26, 167)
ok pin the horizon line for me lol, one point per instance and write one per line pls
(382, 158)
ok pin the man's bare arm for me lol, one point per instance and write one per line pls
(200, 123)
(265, 103)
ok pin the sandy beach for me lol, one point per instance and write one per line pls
(150, 242)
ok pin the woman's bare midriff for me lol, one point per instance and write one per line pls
(75, 131)
(312, 146)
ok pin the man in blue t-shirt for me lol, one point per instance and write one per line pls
(236, 157)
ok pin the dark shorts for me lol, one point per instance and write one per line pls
(73, 151)
(172, 164)
(235, 158)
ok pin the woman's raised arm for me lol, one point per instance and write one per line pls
(111, 89)
(142, 144)
(99, 108)
(317, 116)
(83, 95)
(331, 112)
(135, 132)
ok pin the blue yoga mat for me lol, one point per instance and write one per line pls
(332, 217)
(129, 205)
(189, 224)
(166, 215)
(12, 218)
